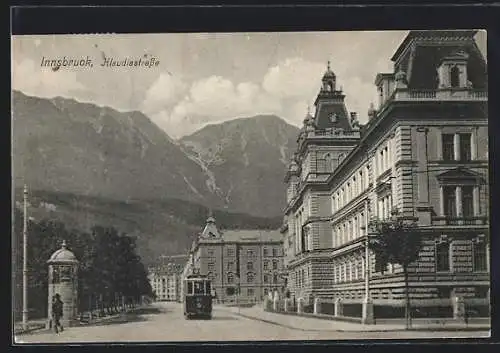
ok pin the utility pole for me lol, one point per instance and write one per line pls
(25, 258)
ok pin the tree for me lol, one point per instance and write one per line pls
(395, 241)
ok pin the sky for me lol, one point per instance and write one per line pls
(205, 78)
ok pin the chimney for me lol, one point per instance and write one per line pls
(371, 111)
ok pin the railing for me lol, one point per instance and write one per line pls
(330, 132)
(439, 95)
(458, 221)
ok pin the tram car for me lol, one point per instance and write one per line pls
(197, 296)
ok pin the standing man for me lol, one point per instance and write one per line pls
(57, 312)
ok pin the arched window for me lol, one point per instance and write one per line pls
(454, 76)
(230, 277)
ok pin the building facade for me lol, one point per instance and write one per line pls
(165, 280)
(248, 262)
(423, 153)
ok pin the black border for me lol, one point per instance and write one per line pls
(211, 18)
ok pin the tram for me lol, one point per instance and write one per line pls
(197, 296)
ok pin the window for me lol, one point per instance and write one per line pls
(249, 265)
(266, 252)
(230, 277)
(275, 278)
(266, 265)
(211, 266)
(379, 266)
(250, 277)
(266, 279)
(230, 266)
(275, 264)
(442, 257)
(465, 147)
(480, 258)
(250, 292)
(450, 201)
(189, 287)
(210, 252)
(250, 253)
(454, 77)
(448, 147)
(275, 252)
(467, 201)
(230, 251)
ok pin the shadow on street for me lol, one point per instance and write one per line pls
(224, 318)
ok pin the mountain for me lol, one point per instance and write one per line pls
(162, 227)
(88, 165)
(63, 145)
(246, 160)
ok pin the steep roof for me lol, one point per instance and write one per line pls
(249, 235)
(326, 110)
(245, 236)
(429, 34)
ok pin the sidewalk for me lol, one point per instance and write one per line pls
(33, 325)
(40, 325)
(316, 324)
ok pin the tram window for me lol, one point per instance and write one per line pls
(208, 288)
(189, 287)
(198, 288)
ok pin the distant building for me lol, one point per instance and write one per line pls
(251, 260)
(423, 153)
(165, 280)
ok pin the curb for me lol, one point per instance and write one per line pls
(93, 323)
(451, 329)
(30, 330)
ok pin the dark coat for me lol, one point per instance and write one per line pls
(57, 308)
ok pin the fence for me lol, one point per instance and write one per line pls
(351, 309)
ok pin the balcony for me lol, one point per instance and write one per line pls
(460, 221)
(460, 94)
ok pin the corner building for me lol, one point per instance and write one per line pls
(246, 261)
(423, 152)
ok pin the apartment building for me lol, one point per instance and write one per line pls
(165, 280)
(243, 265)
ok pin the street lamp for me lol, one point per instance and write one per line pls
(25, 258)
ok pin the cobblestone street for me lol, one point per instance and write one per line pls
(164, 322)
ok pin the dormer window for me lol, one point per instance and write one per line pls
(333, 118)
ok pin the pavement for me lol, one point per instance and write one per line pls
(164, 323)
(330, 325)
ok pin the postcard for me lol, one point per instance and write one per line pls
(260, 186)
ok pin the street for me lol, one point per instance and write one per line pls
(164, 322)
